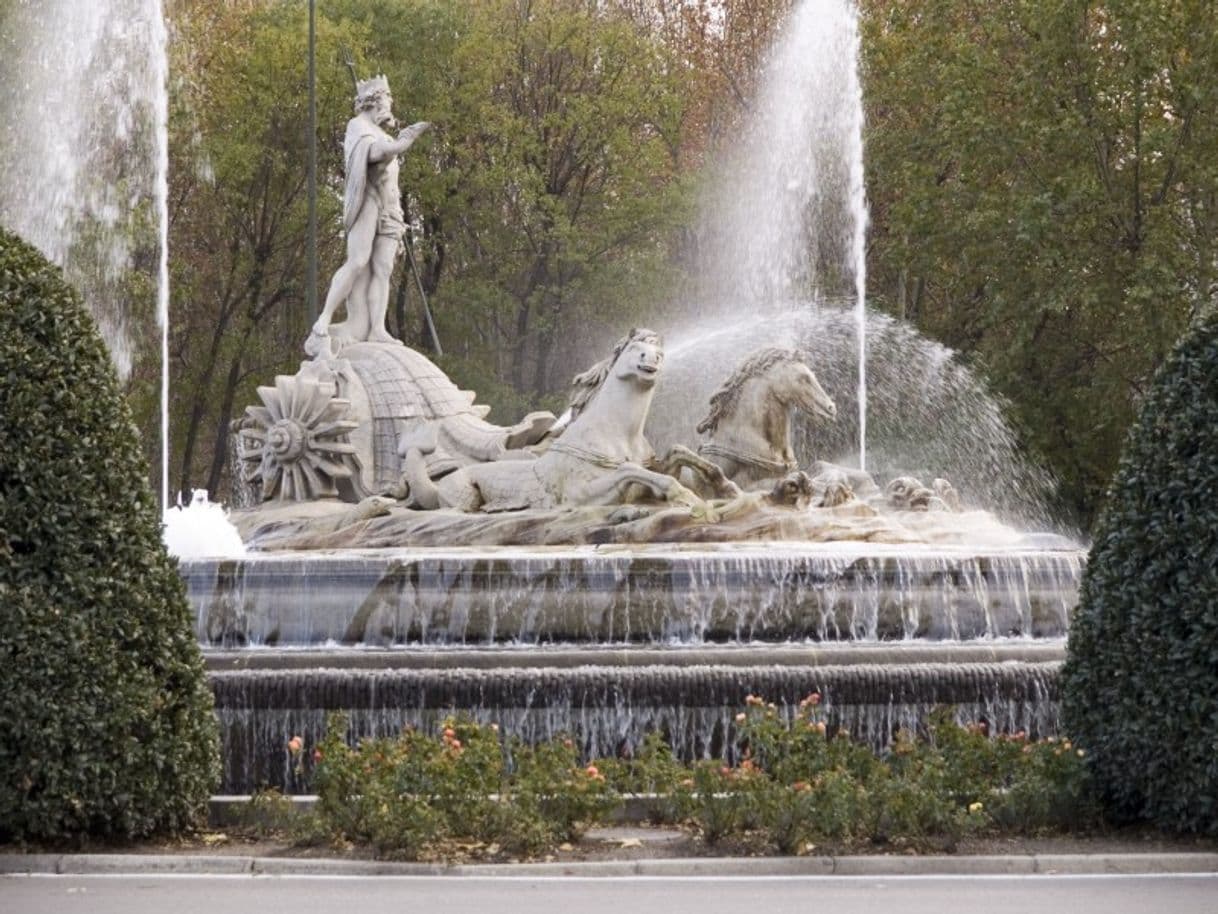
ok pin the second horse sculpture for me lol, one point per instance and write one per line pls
(749, 424)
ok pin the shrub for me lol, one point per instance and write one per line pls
(1140, 683)
(799, 783)
(796, 784)
(106, 726)
(659, 782)
(419, 796)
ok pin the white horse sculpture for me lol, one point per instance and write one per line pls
(749, 425)
(600, 458)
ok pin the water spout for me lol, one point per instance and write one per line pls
(85, 156)
(788, 217)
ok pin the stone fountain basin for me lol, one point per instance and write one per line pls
(609, 643)
(659, 593)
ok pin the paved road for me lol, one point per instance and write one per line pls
(182, 894)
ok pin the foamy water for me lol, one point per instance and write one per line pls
(201, 530)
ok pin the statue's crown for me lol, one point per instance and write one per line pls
(366, 88)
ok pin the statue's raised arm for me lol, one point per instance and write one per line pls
(381, 151)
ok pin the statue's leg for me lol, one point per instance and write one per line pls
(359, 251)
(357, 307)
(680, 457)
(384, 252)
(610, 489)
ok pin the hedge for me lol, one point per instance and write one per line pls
(1140, 684)
(106, 722)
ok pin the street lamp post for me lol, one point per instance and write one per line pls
(311, 281)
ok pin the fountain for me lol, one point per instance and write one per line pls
(411, 559)
(559, 575)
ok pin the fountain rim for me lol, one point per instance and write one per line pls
(769, 549)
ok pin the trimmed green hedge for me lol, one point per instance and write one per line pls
(106, 724)
(1140, 685)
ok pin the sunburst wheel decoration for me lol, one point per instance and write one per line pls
(296, 442)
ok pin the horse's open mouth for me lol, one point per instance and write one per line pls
(821, 411)
(649, 369)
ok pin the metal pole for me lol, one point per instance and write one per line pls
(311, 282)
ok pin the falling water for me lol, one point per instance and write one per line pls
(858, 212)
(735, 593)
(159, 83)
(788, 218)
(85, 158)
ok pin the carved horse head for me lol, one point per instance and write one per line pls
(786, 379)
(749, 420)
(637, 357)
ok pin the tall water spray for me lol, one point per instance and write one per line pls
(160, 90)
(85, 157)
(783, 263)
(787, 219)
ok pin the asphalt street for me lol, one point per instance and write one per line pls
(213, 894)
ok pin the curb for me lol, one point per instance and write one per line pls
(1035, 864)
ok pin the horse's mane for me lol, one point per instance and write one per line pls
(586, 384)
(723, 401)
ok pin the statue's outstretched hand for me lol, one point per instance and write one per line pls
(414, 131)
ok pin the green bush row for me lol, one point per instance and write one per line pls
(793, 785)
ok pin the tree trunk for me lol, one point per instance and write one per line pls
(219, 457)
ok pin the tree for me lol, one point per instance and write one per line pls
(108, 726)
(1042, 190)
(238, 228)
(572, 190)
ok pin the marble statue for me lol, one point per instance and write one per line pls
(373, 219)
(600, 456)
(748, 427)
(371, 444)
(907, 493)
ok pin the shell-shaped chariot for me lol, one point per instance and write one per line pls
(333, 429)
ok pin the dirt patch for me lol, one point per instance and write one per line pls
(648, 842)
